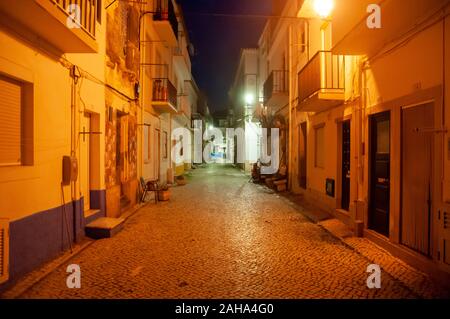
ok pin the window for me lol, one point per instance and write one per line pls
(16, 122)
(165, 144)
(319, 143)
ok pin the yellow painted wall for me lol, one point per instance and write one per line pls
(29, 189)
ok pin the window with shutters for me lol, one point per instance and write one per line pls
(16, 122)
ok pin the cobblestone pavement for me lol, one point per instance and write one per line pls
(220, 237)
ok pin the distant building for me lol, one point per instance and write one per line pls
(245, 98)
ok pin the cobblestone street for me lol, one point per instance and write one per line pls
(220, 237)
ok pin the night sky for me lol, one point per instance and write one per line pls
(217, 41)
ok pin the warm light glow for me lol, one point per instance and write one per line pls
(323, 7)
(249, 99)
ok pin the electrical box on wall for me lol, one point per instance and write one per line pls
(329, 187)
(70, 170)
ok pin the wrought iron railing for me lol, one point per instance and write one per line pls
(324, 72)
(277, 82)
(164, 91)
(85, 13)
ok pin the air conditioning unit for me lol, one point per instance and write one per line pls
(4, 250)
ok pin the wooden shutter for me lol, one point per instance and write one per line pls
(4, 250)
(10, 121)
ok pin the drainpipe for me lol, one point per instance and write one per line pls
(290, 110)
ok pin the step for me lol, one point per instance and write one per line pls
(104, 227)
(91, 215)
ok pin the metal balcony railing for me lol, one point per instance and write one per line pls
(277, 82)
(164, 91)
(87, 10)
(325, 72)
(165, 11)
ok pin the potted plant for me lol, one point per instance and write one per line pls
(164, 193)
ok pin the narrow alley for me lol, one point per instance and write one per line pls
(220, 236)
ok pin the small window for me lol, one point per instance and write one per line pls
(319, 160)
(16, 122)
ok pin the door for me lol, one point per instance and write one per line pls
(417, 159)
(85, 160)
(302, 152)
(345, 190)
(379, 173)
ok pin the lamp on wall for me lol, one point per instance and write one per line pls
(323, 7)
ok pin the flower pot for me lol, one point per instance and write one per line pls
(164, 195)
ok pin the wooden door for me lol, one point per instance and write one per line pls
(417, 177)
(302, 152)
(379, 173)
(84, 139)
(345, 190)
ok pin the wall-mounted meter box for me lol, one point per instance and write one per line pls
(69, 170)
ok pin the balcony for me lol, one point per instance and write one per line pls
(164, 96)
(321, 82)
(165, 21)
(276, 89)
(49, 20)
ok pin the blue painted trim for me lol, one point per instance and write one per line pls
(42, 236)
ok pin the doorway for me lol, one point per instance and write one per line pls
(302, 155)
(417, 159)
(85, 159)
(345, 185)
(380, 162)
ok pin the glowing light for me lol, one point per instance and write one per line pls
(323, 7)
(249, 99)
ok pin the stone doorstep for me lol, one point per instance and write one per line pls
(104, 227)
(91, 215)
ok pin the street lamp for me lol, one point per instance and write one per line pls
(249, 99)
(323, 7)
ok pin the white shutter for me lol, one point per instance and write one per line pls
(4, 250)
(10, 121)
